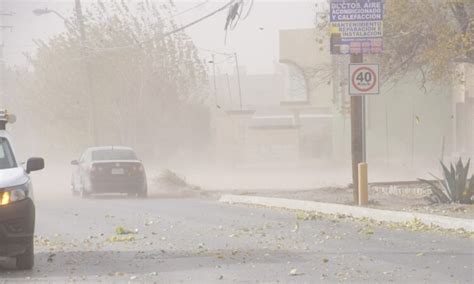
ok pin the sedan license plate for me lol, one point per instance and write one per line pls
(118, 171)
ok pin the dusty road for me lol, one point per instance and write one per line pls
(188, 240)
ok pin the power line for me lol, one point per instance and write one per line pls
(170, 32)
(226, 60)
(235, 14)
(248, 10)
(190, 9)
(94, 51)
(214, 51)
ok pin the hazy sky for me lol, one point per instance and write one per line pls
(255, 39)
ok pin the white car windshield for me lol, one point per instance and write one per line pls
(7, 160)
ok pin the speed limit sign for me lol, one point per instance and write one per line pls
(363, 79)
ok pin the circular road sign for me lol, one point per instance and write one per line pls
(364, 79)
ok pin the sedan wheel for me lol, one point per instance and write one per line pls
(143, 194)
(26, 260)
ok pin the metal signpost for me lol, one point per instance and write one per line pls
(357, 29)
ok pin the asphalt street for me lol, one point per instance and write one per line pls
(203, 241)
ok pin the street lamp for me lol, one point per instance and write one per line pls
(40, 12)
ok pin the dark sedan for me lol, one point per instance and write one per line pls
(109, 170)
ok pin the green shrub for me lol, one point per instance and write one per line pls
(455, 187)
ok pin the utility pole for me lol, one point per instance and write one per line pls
(3, 93)
(214, 78)
(357, 133)
(2, 79)
(238, 79)
(413, 119)
(228, 89)
(86, 67)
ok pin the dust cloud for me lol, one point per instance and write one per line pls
(219, 124)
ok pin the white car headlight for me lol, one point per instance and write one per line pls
(13, 194)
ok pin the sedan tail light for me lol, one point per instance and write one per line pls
(95, 168)
(138, 169)
(95, 171)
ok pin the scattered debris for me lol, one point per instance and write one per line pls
(170, 178)
(294, 272)
(296, 228)
(306, 216)
(366, 230)
(123, 231)
(50, 257)
(115, 239)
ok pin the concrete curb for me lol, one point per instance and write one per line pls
(357, 212)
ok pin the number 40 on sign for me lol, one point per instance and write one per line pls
(364, 79)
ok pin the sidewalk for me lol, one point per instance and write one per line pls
(353, 211)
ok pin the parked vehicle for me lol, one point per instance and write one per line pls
(17, 209)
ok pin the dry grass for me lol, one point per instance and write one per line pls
(171, 179)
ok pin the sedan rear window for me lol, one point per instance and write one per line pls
(115, 154)
(7, 160)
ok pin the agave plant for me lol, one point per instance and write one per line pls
(455, 187)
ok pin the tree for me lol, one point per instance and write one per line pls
(425, 36)
(140, 79)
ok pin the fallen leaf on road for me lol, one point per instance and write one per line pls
(294, 272)
(296, 228)
(305, 216)
(367, 231)
(420, 254)
(123, 231)
(114, 239)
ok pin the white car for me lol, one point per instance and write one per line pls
(17, 209)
